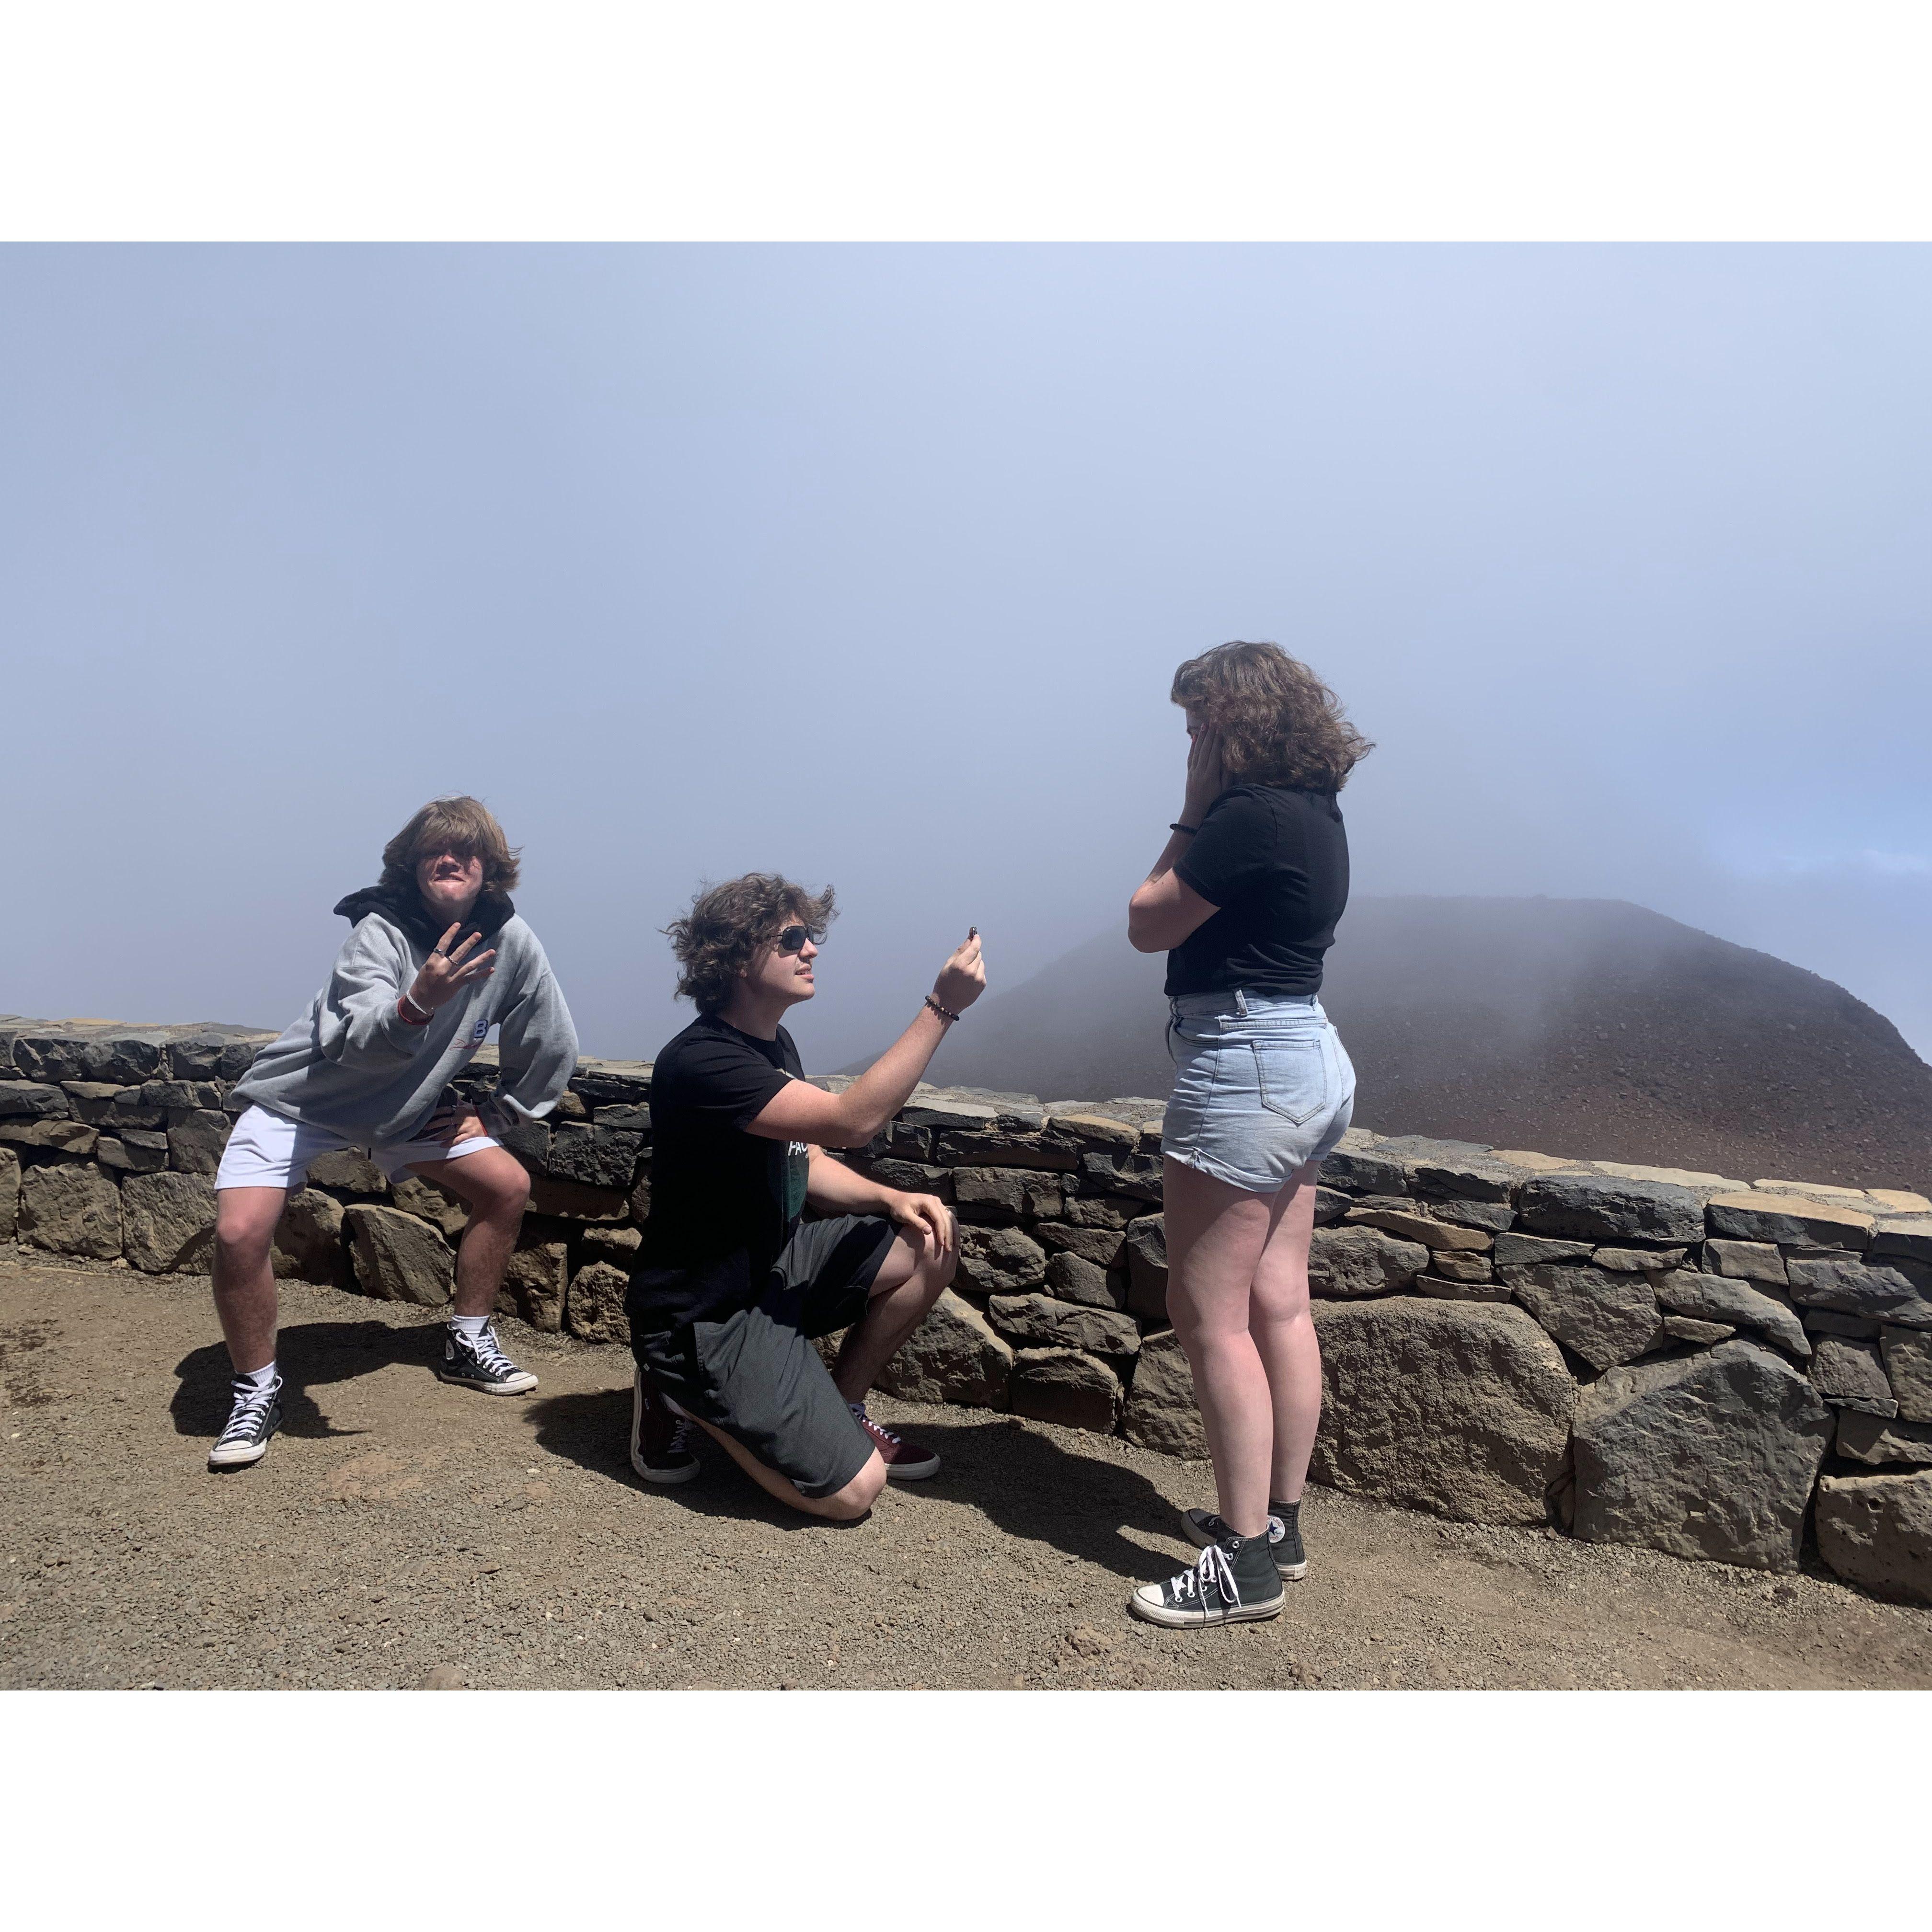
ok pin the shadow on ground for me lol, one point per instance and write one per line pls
(310, 1354)
(1019, 1479)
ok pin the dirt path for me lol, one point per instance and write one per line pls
(398, 1525)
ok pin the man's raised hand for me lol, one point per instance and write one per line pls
(963, 978)
(445, 973)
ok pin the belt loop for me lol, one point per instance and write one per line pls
(1240, 1003)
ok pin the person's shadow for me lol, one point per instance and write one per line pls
(310, 1355)
(1022, 1480)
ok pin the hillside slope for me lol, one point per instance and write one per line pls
(1587, 1027)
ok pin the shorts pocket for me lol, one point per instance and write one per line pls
(1293, 1077)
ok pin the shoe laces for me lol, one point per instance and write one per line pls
(485, 1348)
(1214, 1569)
(877, 1430)
(251, 1404)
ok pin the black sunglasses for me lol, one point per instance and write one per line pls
(793, 939)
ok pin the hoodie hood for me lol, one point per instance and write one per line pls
(402, 906)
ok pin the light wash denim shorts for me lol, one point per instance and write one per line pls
(1262, 1086)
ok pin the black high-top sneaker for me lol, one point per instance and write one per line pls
(1234, 1582)
(257, 1415)
(1291, 1560)
(481, 1364)
(660, 1442)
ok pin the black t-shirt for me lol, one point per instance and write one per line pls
(1276, 862)
(724, 1202)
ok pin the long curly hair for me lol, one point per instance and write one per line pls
(722, 933)
(1279, 724)
(461, 824)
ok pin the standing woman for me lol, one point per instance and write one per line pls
(1244, 900)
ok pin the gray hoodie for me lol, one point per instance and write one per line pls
(353, 1064)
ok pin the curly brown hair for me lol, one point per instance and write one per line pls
(1279, 724)
(721, 935)
(460, 824)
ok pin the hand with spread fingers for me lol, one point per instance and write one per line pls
(446, 972)
(925, 1220)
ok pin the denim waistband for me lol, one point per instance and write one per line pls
(1237, 1003)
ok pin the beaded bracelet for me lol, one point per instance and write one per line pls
(943, 1012)
(1178, 827)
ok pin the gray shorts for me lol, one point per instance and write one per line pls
(1262, 1086)
(756, 1375)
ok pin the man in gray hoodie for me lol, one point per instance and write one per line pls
(436, 957)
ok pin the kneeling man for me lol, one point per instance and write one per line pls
(436, 957)
(731, 1286)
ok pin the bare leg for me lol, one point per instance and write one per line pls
(1215, 1235)
(493, 1182)
(245, 1300)
(1284, 1332)
(845, 1505)
(909, 1282)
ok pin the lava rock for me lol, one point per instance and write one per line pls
(1895, 1291)
(1072, 1278)
(1061, 1385)
(1849, 1375)
(1606, 1318)
(398, 1257)
(1454, 1407)
(953, 1355)
(534, 1282)
(1609, 1207)
(1161, 1412)
(1907, 1355)
(1038, 1320)
(1788, 1219)
(1877, 1532)
(1712, 1456)
(1881, 1439)
(1147, 1267)
(1000, 1261)
(1350, 1261)
(594, 1307)
(167, 1222)
(1713, 1297)
(70, 1210)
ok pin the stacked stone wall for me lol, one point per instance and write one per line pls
(1713, 1366)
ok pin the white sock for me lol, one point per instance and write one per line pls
(470, 1326)
(263, 1378)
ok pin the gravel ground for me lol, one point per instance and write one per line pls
(399, 1526)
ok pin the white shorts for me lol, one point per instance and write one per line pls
(265, 1150)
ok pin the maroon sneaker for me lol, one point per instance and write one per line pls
(905, 1462)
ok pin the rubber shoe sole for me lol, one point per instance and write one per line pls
(521, 1383)
(1151, 1612)
(244, 1455)
(663, 1477)
(1192, 1522)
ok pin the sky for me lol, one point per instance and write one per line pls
(872, 565)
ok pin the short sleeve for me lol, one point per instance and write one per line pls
(725, 1083)
(1234, 851)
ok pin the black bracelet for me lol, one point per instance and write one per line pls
(1190, 830)
(943, 1012)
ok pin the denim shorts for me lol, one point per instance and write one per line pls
(1262, 1086)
